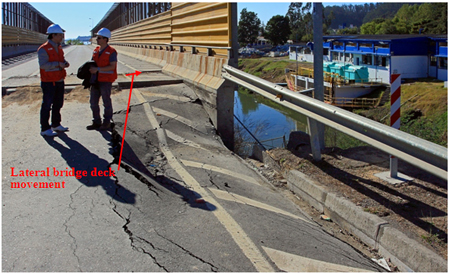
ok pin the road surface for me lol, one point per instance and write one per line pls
(179, 202)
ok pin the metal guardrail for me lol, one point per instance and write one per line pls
(416, 151)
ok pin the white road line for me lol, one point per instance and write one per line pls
(220, 170)
(35, 73)
(250, 250)
(224, 195)
(127, 66)
(294, 263)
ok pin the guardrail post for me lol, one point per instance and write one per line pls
(210, 52)
(181, 49)
(313, 130)
(194, 50)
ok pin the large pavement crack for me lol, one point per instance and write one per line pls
(132, 238)
(67, 230)
(213, 268)
(116, 142)
(136, 105)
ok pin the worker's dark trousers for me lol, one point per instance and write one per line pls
(103, 90)
(52, 100)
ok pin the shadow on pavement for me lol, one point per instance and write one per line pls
(80, 158)
(131, 163)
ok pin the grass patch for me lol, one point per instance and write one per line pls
(430, 96)
(269, 68)
(432, 239)
(335, 138)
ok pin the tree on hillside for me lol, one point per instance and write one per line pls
(278, 30)
(327, 21)
(430, 18)
(383, 10)
(372, 27)
(347, 31)
(248, 28)
(347, 14)
(300, 20)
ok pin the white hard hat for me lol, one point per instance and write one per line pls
(54, 28)
(104, 32)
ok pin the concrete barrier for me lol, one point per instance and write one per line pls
(199, 70)
(15, 50)
(407, 254)
(203, 74)
(300, 184)
(364, 225)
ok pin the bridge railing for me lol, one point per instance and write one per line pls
(203, 27)
(18, 36)
(416, 151)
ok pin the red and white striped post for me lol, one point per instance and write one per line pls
(395, 116)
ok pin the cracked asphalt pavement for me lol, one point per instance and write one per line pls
(180, 202)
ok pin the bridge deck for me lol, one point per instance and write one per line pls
(180, 202)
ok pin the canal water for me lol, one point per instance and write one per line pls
(265, 119)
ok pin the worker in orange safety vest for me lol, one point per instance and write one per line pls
(52, 69)
(105, 57)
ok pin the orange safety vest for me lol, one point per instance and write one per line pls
(54, 74)
(103, 61)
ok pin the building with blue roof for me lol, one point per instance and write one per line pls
(412, 56)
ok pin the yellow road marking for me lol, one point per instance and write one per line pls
(174, 116)
(220, 170)
(224, 195)
(182, 140)
(250, 250)
(295, 263)
(170, 96)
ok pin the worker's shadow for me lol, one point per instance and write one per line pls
(80, 158)
(131, 163)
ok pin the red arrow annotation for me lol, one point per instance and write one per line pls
(126, 117)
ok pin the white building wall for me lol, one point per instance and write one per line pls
(378, 74)
(292, 55)
(302, 57)
(410, 66)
